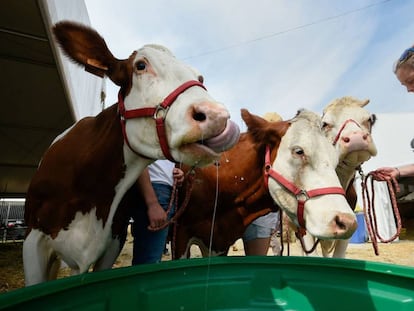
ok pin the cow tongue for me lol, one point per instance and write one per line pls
(226, 139)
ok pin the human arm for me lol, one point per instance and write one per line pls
(406, 170)
(397, 172)
(156, 214)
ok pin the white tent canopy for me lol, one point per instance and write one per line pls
(392, 134)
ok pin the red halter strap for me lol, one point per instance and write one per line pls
(301, 195)
(342, 128)
(158, 113)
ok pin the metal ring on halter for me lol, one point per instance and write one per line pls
(160, 112)
(302, 194)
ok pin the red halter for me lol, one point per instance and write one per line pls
(342, 128)
(301, 195)
(159, 114)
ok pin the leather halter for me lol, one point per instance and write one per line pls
(301, 195)
(342, 128)
(158, 113)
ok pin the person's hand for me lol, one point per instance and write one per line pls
(157, 216)
(388, 173)
(178, 176)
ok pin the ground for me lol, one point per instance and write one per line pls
(400, 252)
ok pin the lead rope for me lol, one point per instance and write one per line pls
(282, 247)
(287, 233)
(285, 230)
(299, 235)
(179, 209)
(369, 206)
(284, 223)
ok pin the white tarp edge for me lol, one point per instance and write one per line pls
(384, 215)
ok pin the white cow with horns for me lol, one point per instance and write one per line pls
(164, 111)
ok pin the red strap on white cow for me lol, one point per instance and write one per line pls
(301, 195)
(158, 113)
(342, 128)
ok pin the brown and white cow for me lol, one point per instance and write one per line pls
(347, 125)
(229, 196)
(72, 201)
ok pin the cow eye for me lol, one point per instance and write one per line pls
(298, 151)
(325, 125)
(370, 122)
(372, 119)
(201, 79)
(140, 65)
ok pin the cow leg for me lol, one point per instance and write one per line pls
(181, 250)
(327, 247)
(39, 259)
(203, 248)
(340, 248)
(110, 255)
(205, 251)
(180, 244)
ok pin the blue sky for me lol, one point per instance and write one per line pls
(272, 55)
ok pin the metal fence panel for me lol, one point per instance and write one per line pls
(12, 225)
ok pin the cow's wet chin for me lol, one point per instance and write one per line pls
(198, 154)
(207, 150)
(356, 158)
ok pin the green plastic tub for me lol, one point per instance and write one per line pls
(228, 283)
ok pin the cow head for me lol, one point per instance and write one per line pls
(305, 158)
(348, 125)
(196, 127)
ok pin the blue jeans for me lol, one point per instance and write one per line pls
(254, 231)
(149, 245)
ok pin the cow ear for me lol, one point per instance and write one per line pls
(262, 130)
(86, 47)
(252, 121)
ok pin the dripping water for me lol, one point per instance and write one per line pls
(216, 164)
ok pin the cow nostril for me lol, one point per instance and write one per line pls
(345, 225)
(346, 139)
(199, 116)
(341, 224)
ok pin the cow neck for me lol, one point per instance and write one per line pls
(346, 174)
(301, 195)
(158, 113)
